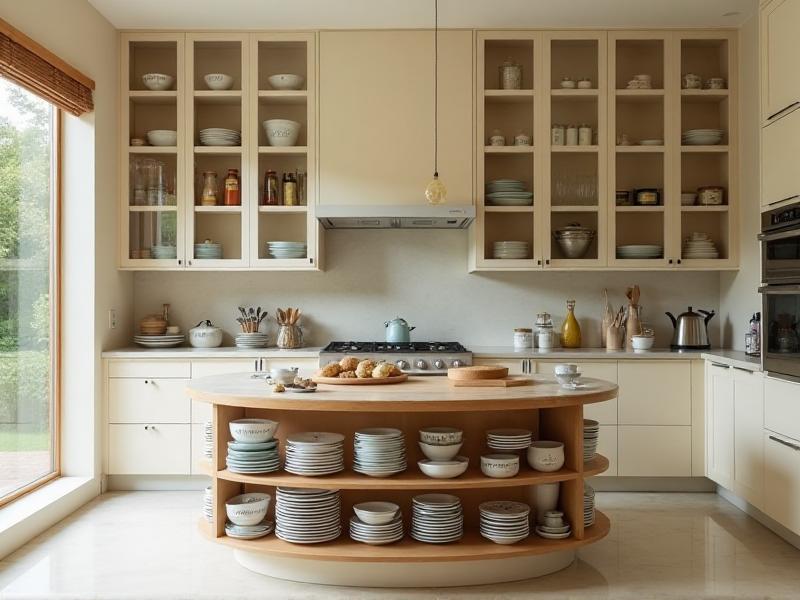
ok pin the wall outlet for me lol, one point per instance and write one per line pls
(112, 318)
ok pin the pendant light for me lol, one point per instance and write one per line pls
(436, 192)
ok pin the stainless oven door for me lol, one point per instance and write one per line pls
(780, 346)
(780, 256)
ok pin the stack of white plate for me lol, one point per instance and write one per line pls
(159, 341)
(253, 457)
(208, 251)
(699, 245)
(508, 192)
(591, 434)
(701, 137)
(163, 251)
(307, 516)
(208, 504)
(208, 440)
(640, 251)
(378, 529)
(588, 505)
(314, 453)
(379, 451)
(510, 249)
(509, 439)
(219, 136)
(504, 521)
(248, 532)
(437, 518)
(251, 340)
(286, 249)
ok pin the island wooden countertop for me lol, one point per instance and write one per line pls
(417, 394)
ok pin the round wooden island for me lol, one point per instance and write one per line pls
(550, 412)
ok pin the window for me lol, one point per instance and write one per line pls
(29, 136)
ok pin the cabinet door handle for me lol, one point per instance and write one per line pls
(792, 197)
(783, 110)
(743, 370)
(794, 447)
(149, 427)
(720, 365)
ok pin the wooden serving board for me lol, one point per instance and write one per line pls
(360, 381)
(476, 372)
(512, 381)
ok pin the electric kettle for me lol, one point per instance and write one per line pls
(691, 330)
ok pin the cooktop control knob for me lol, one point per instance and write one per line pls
(421, 364)
(402, 364)
(457, 363)
(439, 363)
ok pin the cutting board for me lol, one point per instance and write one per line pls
(512, 381)
(476, 372)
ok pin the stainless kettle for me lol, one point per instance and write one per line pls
(398, 331)
(691, 330)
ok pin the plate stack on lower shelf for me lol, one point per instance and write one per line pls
(159, 341)
(208, 504)
(251, 340)
(307, 516)
(314, 453)
(588, 505)
(253, 458)
(591, 435)
(437, 518)
(504, 522)
(640, 251)
(379, 451)
(208, 440)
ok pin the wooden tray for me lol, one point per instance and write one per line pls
(477, 372)
(360, 381)
(512, 381)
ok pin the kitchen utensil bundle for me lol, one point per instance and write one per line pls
(289, 335)
(251, 318)
(615, 335)
(633, 325)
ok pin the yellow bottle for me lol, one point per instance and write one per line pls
(570, 330)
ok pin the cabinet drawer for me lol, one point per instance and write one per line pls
(655, 393)
(160, 449)
(654, 451)
(148, 401)
(782, 407)
(782, 480)
(603, 412)
(780, 147)
(149, 368)
(607, 446)
(205, 368)
(201, 411)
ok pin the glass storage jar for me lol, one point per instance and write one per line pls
(510, 75)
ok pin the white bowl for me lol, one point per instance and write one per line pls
(565, 368)
(688, 198)
(500, 466)
(568, 379)
(444, 469)
(441, 436)
(376, 513)
(286, 81)
(641, 342)
(218, 81)
(434, 452)
(546, 456)
(158, 82)
(247, 509)
(162, 137)
(281, 132)
(253, 431)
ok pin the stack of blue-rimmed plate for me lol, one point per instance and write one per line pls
(159, 341)
(247, 457)
(248, 532)
(379, 451)
(208, 251)
(437, 518)
(279, 249)
(591, 435)
(508, 192)
(307, 516)
(163, 251)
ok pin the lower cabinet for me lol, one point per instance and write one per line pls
(654, 451)
(145, 449)
(782, 480)
(719, 424)
(607, 446)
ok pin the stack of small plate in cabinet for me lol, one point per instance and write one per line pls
(699, 245)
(159, 341)
(307, 516)
(208, 504)
(437, 518)
(510, 249)
(208, 440)
(246, 457)
(251, 340)
(508, 192)
(376, 523)
(591, 434)
(219, 136)
(208, 250)
(164, 251)
(379, 451)
(278, 249)
(640, 251)
(702, 137)
(504, 521)
(509, 439)
(588, 505)
(314, 453)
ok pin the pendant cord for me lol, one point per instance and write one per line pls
(436, 90)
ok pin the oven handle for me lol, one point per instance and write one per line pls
(785, 443)
(779, 289)
(781, 235)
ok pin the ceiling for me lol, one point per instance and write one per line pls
(381, 14)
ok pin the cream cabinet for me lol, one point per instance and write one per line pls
(780, 50)
(604, 413)
(655, 451)
(780, 146)
(748, 431)
(655, 392)
(376, 114)
(782, 407)
(151, 400)
(720, 424)
(782, 480)
(152, 449)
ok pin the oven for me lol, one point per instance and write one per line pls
(780, 246)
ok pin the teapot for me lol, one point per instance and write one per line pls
(691, 330)
(398, 331)
(205, 335)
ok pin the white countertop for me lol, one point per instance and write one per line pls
(188, 352)
(582, 353)
(734, 358)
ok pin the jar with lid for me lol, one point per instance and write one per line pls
(712, 195)
(270, 195)
(522, 139)
(557, 136)
(545, 337)
(289, 189)
(523, 337)
(208, 197)
(571, 136)
(568, 83)
(584, 135)
(510, 75)
(584, 83)
(232, 195)
(497, 138)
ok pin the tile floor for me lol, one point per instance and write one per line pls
(145, 545)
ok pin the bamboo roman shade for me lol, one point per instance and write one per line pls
(33, 67)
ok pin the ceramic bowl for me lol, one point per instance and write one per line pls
(281, 132)
(441, 436)
(434, 452)
(565, 368)
(642, 342)
(162, 137)
(286, 81)
(247, 509)
(376, 513)
(688, 198)
(568, 379)
(253, 431)
(158, 82)
(284, 376)
(218, 81)
(444, 469)
(500, 466)
(546, 456)
(554, 518)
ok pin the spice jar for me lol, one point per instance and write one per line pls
(289, 189)
(557, 135)
(571, 136)
(522, 139)
(510, 75)
(585, 83)
(208, 197)
(568, 83)
(270, 196)
(523, 338)
(584, 135)
(497, 138)
(232, 195)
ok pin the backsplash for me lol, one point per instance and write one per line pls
(373, 276)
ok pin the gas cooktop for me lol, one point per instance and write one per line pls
(415, 358)
(412, 347)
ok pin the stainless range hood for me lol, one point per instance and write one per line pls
(443, 216)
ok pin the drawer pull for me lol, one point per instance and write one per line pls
(794, 447)
(783, 110)
(149, 427)
(748, 371)
(720, 365)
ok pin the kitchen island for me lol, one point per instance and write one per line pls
(550, 412)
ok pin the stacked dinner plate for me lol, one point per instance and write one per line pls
(208, 251)
(307, 516)
(314, 453)
(588, 505)
(379, 451)
(640, 251)
(591, 433)
(701, 137)
(510, 249)
(219, 136)
(437, 518)
(208, 440)
(163, 251)
(248, 532)
(507, 192)
(159, 341)
(508, 439)
(504, 521)
(286, 249)
(251, 340)
(208, 504)
(699, 245)
(249, 457)
(379, 528)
